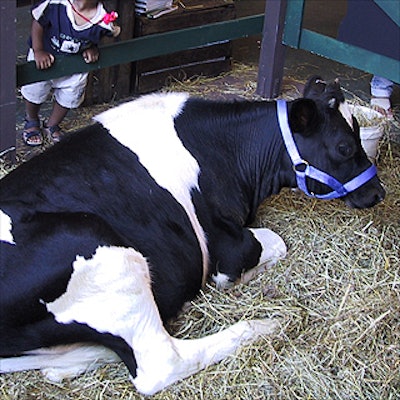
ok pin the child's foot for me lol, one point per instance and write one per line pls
(382, 105)
(54, 133)
(31, 135)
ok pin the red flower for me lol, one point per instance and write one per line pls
(110, 17)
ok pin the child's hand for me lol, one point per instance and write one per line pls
(91, 55)
(43, 59)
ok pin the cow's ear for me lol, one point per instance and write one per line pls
(333, 103)
(303, 116)
(314, 87)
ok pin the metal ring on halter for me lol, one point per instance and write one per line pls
(302, 164)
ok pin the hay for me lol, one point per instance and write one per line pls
(338, 292)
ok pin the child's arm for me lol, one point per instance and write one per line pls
(43, 59)
(91, 54)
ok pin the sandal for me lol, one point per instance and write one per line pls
(53, 132)
(31, 135)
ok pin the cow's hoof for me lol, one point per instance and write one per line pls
(59, 374)
(53, 374)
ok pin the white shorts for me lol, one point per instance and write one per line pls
(69, 91)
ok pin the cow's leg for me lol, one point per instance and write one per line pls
(60, 362)
(117, 299)
(273, 248)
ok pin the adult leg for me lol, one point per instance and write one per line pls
(381, 90)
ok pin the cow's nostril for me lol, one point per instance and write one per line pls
(378, 197)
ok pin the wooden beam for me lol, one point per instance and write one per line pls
(145, 47)
(8, 100)
(353, 56)
(272, 54)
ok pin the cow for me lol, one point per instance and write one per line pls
(107, 234)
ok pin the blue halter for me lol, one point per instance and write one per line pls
(303, 169)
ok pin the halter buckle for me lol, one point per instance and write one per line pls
(301, 166)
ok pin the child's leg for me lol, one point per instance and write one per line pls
(32, 111)
(69, 93)
(35, 95)
(52, 128)
(57, 115)
(31, 134)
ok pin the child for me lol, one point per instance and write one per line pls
(62, 27)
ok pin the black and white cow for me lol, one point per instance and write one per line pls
(107, 234)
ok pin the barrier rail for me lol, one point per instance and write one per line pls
(284, 27)
(145, 47)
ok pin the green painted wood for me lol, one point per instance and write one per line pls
(145, 47)
(293, 22)
(350, 55)
(391, 8)
(328, 47)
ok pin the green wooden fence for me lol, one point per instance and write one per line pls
(146, 47)
(298, 37)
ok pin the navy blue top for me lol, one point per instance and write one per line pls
(61, 35)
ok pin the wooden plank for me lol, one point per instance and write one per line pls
(153, 80)
(391, 8)
(272, 53)
(8, 100)
(146, 47)
(200, 54)
(153, 73)
(197, 13)
(350, 55)
(209, 60)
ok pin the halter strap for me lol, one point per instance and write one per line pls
(304, 170)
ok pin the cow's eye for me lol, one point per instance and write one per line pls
(345, 149)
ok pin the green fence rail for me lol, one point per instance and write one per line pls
(145, 47)
(325, 46)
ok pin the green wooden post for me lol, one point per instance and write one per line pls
(391, 8)
(293, 22)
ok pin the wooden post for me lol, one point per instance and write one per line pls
(272, 54)
(113, 83)
(8, 101)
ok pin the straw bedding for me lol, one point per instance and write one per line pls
(337, 293)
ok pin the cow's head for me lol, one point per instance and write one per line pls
(328, 139)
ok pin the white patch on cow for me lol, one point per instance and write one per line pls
(346, 113)
(273, 249)
(146, 126)
(222, 281)
(113, 282)
(111, 293)
(5, 228)
(60, 362)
